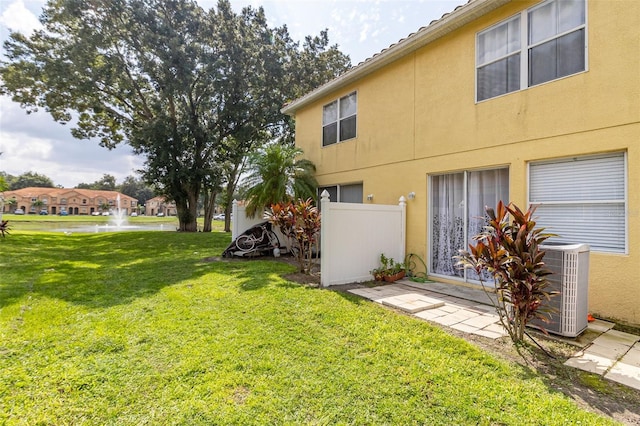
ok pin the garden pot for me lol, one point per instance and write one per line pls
(394, 277)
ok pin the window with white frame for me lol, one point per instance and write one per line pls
(582, 200)
(339, 120)
(543, 43)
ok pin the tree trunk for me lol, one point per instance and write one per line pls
(229, 207)
(188, 212)
(209, 204)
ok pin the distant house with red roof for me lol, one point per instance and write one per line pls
(74, 201)
(160, 205)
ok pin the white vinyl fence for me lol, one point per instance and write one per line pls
(354, 235)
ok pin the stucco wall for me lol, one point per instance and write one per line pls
(418, 116)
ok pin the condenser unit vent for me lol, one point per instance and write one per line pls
(569, 264)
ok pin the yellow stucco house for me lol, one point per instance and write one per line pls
(528, 101)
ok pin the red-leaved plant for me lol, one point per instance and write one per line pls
(300, 223)
(4, 227)
(509, 250)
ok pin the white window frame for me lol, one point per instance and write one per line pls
(525, 48)
(339, 120)
(620, 202)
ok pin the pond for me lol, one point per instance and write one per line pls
(87, 227)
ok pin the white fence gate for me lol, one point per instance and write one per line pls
(354, 235)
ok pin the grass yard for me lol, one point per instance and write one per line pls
(138, 328)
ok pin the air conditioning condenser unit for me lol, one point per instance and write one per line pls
(569, 264)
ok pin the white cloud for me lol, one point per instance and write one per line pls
(15, 146)
(36, 143)
(18, 18)
(363, 32)
(67, 163)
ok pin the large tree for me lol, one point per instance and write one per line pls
(136, 188)
(29, 179)
(106, 183)
(169, 78)
(308, 67)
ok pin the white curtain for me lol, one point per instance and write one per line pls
(459, 214)
(484, 189)
(447, 222)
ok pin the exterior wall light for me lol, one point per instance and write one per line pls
(412, 195)
(370, 197)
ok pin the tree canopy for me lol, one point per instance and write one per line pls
(136, 188)
(28, 179)
(106, 183)
(188, 89)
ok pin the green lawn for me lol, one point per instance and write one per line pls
(137, 328)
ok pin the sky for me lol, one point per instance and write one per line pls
(36, 143)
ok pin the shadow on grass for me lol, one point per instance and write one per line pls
(248, 269)
(104, 269)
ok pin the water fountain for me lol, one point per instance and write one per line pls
(119, 217)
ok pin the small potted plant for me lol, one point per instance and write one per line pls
(389, 270)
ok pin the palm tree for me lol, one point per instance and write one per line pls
(277, 174)
(12, 202)
(37, 204)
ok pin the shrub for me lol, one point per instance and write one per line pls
(510, 252)
(300, 223)
(4, 227)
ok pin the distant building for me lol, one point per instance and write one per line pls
(74, 201)
(159, 205)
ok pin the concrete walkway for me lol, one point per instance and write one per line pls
(602, 350)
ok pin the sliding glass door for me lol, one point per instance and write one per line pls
(457, 210)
